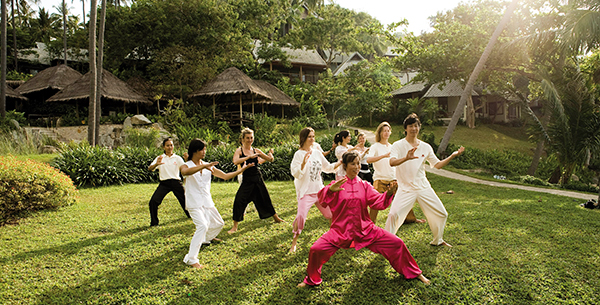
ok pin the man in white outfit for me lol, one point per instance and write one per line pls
(408, 156)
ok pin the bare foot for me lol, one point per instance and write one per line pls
(217, 240)
(302, 285)
(233, 230)
(445, 244)
(423, 279)
(293, 248)
(421, 220)
(197, 266)
(277, 219)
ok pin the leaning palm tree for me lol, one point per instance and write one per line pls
(471, 83)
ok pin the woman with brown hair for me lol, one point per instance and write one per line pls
(306, 167)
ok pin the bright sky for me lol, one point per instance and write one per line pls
(386, 11)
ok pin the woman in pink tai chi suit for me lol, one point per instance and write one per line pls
(348, 199)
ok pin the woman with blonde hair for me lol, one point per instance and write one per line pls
(253, 187)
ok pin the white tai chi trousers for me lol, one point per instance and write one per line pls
(208, 223)
(430, 204)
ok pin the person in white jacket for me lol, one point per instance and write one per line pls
(306, 167)
(408, 156)
(199, 203)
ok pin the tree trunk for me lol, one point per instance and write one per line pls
(3, 62)
(555, 177)
(83, 9)
(14, 25)
(93, 80)
(100, 69)
(566, 177)
(536, 158)
(64, 13)
(478, 68)
(470, 112)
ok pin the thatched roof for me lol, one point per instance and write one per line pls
(57, 77)
(230, 81)
(11, 93)
(278, 97)
(454, 88)
(111, 88)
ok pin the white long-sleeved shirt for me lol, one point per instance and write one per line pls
(411, 174)
(309, 180)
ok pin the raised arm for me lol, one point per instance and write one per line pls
(187, 171)
(238, 159)
(268, 158)
(155, 164)
(226, 176)
(445, 162)
(410, 155)
(377, 158)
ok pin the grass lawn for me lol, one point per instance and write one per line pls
(482, 136)
(510, 247)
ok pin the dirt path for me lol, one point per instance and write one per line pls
(452, 175)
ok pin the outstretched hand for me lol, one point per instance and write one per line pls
(337, 186)
(247, 165)
(159, 160)
(210, 166)
(458, 152)
(411, 154)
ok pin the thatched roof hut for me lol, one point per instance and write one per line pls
(57, 78)
(277, 97)
(13, 94)
(234, 88)
(230, 81)
(112, 88)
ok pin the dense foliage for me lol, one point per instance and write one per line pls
(27, 186)
(98, 166)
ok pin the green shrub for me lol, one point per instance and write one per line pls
(502, 162)
(534, 180)
(264, 130)
(141, 137)
(29, 185)
(100, 166)
(580, 186)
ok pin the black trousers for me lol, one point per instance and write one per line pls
(164, 187)
(252, 189)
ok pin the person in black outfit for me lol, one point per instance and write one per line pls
(253, 187)
(168, 165)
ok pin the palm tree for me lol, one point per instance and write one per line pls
(93, 80)
(100, 69)
(478, 68)
(3, 62)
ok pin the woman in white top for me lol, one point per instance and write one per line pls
(365, 172)
(200, 205)
(168, 165)
(306, 167)
(342, 140)
(383, 173)
(408, 156)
